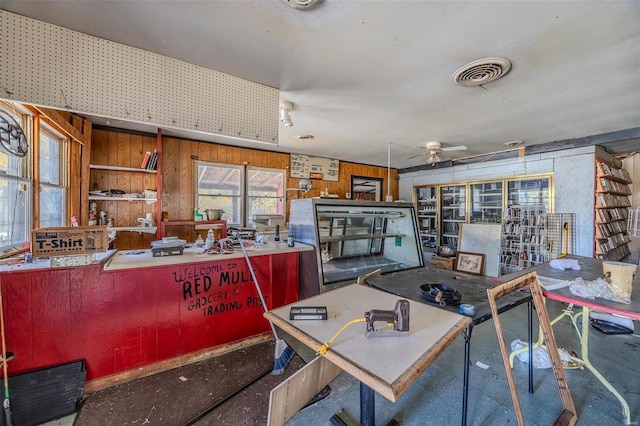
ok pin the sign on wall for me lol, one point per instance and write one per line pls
(310, 167)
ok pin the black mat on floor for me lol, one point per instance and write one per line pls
(47, 393)
(176, 396)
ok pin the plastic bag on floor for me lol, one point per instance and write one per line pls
(541, 357)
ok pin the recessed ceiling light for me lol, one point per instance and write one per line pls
(305, 137)
(514, 143)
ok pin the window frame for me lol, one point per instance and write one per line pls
(248, 197)
(240, 195)
(23, 180)
(62, 167)
(243, 196)
(28, 181)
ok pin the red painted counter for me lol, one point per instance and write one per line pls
(120, 317)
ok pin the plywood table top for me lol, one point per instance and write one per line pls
(386, 364)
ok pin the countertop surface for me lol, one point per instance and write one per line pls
(141, 258)
(129, 259)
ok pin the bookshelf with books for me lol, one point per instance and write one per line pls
(524, 226)
(524, 237)
(124, 188)
(612, 205)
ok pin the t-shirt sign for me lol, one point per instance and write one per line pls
(309, 167)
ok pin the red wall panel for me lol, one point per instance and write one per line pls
(122, 320)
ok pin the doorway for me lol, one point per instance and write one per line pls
(365, 188)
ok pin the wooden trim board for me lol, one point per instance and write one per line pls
(568, 416)
(290, 396)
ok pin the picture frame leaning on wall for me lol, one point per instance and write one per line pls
(471, 263)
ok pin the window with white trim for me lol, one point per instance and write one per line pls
(18, 180)
(53, 189)
(16, 191)
(240, 191)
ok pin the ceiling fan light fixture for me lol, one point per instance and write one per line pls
(434, 157)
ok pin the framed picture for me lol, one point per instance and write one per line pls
(471, 263)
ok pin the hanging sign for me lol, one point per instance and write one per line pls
(309, 167)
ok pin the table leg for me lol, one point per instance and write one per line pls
(465, 385)
(584, 349)
(367, 406)
(530, 309)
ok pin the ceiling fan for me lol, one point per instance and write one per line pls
(12, 138)
(435, 148)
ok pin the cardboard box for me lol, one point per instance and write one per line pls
(442, 262)
(69, 240)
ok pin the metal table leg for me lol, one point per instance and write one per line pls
(530, 309)
(367, 406)
(465, 386)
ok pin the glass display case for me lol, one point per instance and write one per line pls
(427, 207)
(354, 238)
(453, 212)
(486, 202)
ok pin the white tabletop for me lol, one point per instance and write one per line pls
(386, 364)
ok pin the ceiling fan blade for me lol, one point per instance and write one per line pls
(454, 148)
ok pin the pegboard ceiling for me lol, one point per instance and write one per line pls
(363, 74)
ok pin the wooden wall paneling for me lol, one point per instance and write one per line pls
(284, 269)
(92, 304)
(185, 176)
(74, 153)
(83, 167)
(100, 141)
(18, 319)
(204, 151)
(53, 308)
(149, 324)
(241, 302)
(223, 153)
(170, 201)
(128, 312)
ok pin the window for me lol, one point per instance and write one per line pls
(240, 191)
(265, 191)
(53, 189)
(219, 186)
(18, 200)
(15, 192)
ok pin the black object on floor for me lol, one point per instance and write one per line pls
(608, 327)
(47, 394)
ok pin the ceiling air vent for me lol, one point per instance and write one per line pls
(302, 4)
(481, 71)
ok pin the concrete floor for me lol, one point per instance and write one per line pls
(435, 397)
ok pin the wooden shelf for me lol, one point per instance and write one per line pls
(121, 169)
(145, 229)
(101, 198)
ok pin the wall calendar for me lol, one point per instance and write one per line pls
(309, 167)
